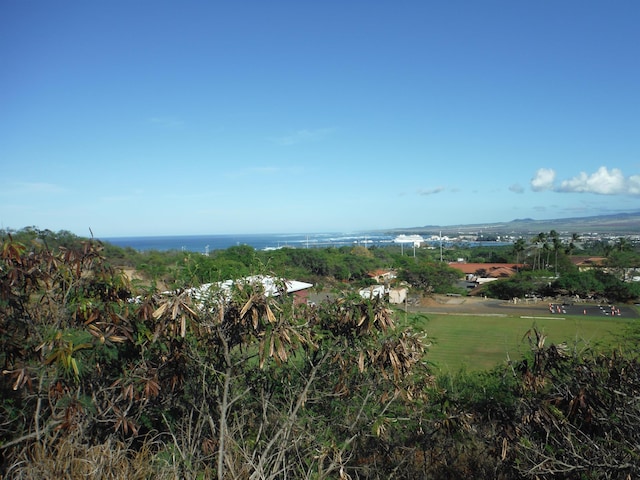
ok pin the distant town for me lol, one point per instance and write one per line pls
(606, 228)
(475, 237)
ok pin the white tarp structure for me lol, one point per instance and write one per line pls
(395, 295)
(272, 286)
(373, 291)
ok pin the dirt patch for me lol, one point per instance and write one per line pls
(137, 278)
(453, 301)
(132, 274)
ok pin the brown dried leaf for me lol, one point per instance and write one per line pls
(270, 316)
(160, 311)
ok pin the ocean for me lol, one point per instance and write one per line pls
(207, 243)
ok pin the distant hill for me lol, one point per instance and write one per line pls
(615, 224)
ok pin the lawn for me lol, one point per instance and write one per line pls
(478, 342)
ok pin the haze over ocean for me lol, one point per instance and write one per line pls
(208, 243)
(202, 243)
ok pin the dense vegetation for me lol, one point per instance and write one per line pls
(546, 259)
(109, 379)
(549, 271)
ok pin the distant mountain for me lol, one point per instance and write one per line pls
(615, 224)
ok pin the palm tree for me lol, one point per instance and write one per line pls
(557, 245)
(519, 246)
(575, 238)
(539, 240)
(622, 244)
(547, 252)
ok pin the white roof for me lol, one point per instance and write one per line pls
(271, 285)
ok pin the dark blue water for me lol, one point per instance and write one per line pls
(204, 243)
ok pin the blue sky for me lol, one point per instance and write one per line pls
(198, 117)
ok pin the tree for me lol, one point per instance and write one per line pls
(575, 238)
(63, 325)
(519, 246)
(223, 383)
(622, 244)
(540, 242)
(575, 420)
(430, 277)
(556, 246)
(584, 284)
(520, 285)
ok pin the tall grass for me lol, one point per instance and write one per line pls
(70, 458)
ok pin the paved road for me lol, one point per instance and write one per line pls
(442, 304)
(479, 306)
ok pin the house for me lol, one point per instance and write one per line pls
(479, 273)
(588, 263)
(626, 274)
(487, 270)
(382, 276)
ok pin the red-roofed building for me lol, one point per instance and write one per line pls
(382, 276)
(587, 263)
(480, 273)
(492, 270)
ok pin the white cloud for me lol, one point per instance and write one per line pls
(430, 191)
(634, 185)
(543, 180)
(301, 136)
(601, 182)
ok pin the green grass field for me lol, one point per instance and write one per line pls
(482, 342)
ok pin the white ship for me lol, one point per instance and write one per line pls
(413, 239)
